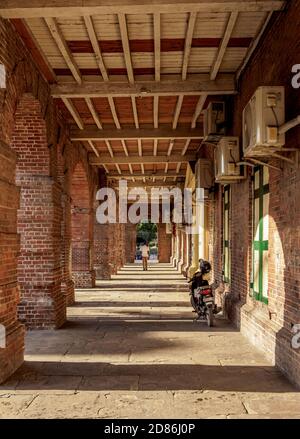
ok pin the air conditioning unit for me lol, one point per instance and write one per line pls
(227, 155)
(262, 117)
(214, 121)
(204, 173)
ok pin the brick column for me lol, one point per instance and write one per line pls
(164, 243)
(39, 219)
(82, 270)
(82, 218)
(130, 242)
(180, 249)
(187, 252)
(67, 284)
(101, 251)
(11, 356)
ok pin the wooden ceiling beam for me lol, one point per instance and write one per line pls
(94, 113)
(125, 147)
(108, 145)
(91, 133)
(94, 41)
(152, 184)
(155, 110)
(188, 44)
(75, 8)
(177, 111)
(185, 148)
(223, 46)
(68, 103)
(140, 148)
(93, 148)
(63, 48)
(114, 112)
(135, 113)
(108, 160)
(146, 175)
(155, 145)
(197, 84)
(199, 108)
(157, 43)
(126, 48)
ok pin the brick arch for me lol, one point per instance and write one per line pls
(82, 227)
(39, 266)
(29, 138)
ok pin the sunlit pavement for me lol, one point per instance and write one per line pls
(131, 349)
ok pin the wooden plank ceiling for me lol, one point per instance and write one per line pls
(133, 77)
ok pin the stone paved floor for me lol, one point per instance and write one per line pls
(130, 349)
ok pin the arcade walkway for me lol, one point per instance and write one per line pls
(130, 349)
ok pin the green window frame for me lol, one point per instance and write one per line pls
(226, 235)
(260, 245)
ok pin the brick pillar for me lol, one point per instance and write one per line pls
(176, 247)
(67, 284)
(180, 250)
(101, 251)
(42, 303)
(187, 252)
(130, 242)
(82, 230)
(11, 356)
(164, 243)
(173, 249)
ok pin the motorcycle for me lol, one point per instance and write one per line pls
(201, 294)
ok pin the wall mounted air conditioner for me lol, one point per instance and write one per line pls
(262, 117)
(227, 155)
(214, 121)
(204, 173)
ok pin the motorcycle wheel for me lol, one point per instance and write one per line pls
(210, 317)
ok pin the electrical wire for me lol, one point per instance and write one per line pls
(275, 116)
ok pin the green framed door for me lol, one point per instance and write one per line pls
(260, 234)
(226, 234)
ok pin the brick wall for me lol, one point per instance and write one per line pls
(11, 357)
(268, 326)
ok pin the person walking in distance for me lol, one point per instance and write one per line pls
(145, 255)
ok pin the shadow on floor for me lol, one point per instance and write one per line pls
(172, 324)
(84, 376)
(118, 304)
